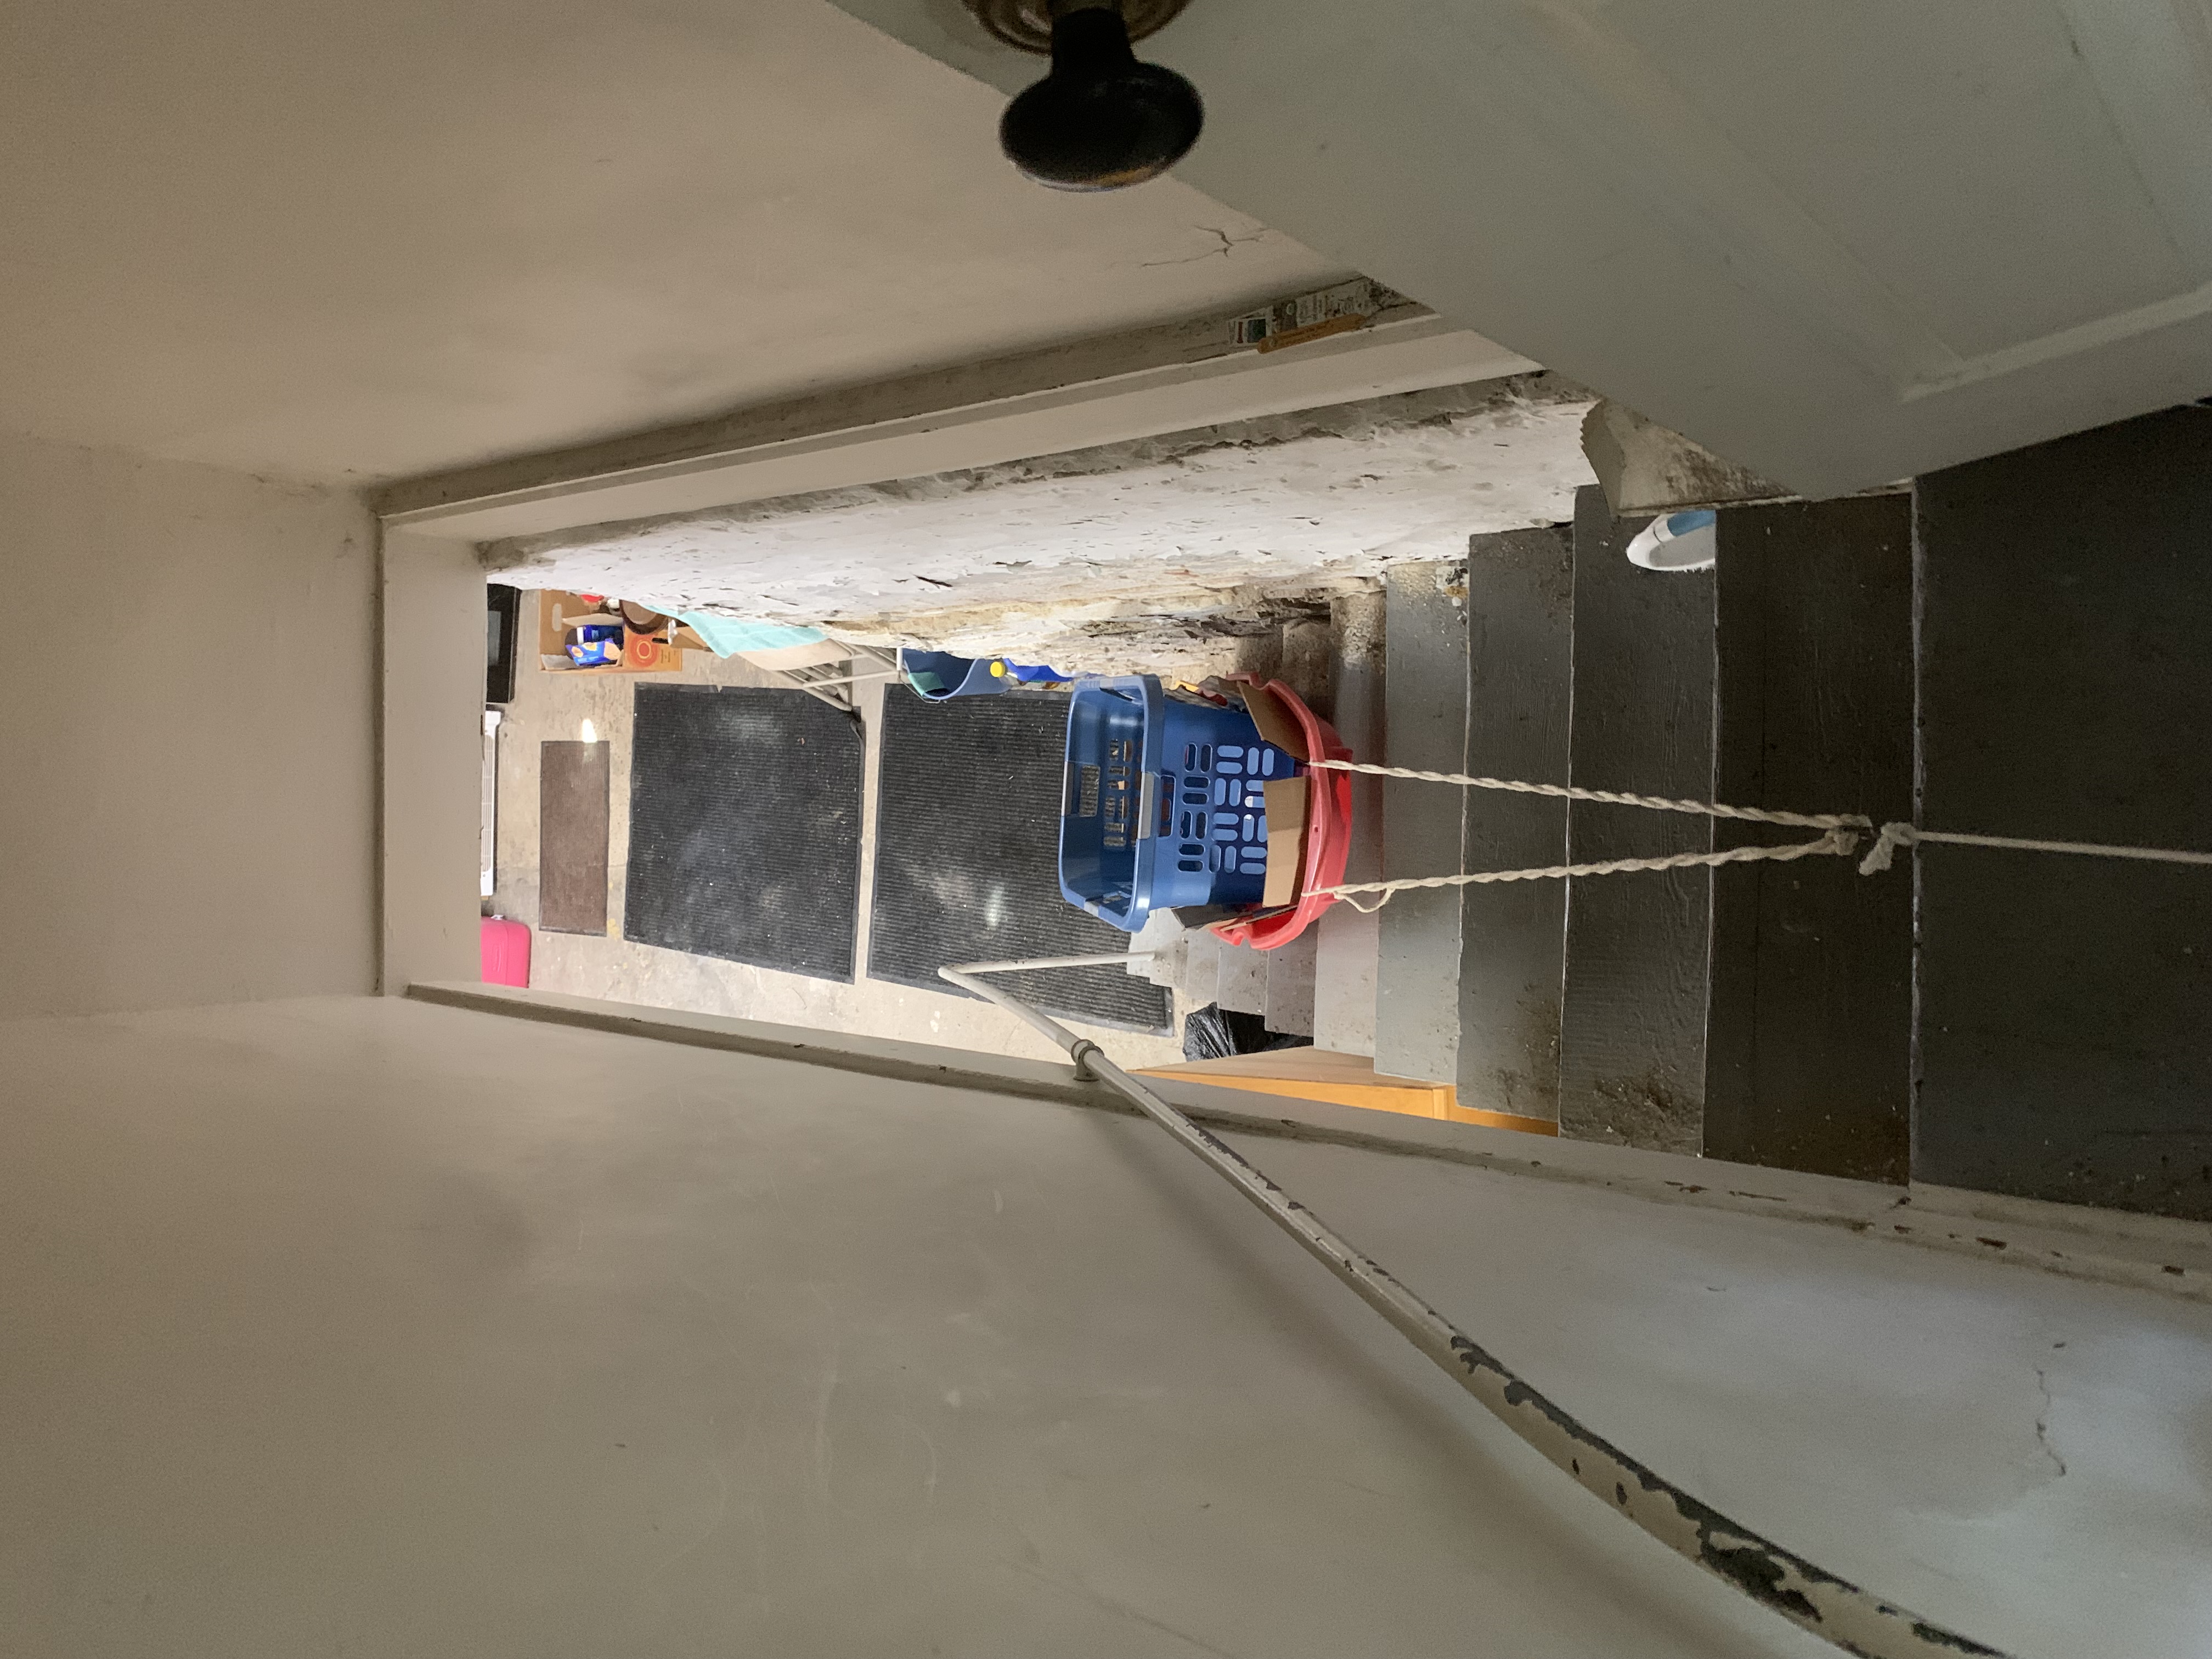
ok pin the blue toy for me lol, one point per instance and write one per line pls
(937, 675)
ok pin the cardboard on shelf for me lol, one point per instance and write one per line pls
(661, 653)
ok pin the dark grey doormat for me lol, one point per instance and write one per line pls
(572, 837)
(967, 857)
(744, 828)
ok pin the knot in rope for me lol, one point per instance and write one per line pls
(1890, 837)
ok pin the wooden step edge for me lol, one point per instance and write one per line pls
(1343, 1080)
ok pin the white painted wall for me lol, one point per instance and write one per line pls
(432, 767)
(344, 243)
(1838, 245)
(186, 720)
(361, 1325)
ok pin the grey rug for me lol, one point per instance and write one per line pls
(967, 857)
(744, 828)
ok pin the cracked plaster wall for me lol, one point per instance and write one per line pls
(1147, 544)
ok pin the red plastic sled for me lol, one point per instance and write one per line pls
(1327, 840)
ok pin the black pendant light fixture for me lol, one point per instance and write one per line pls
(1101, 119)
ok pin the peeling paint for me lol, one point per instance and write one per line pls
(1138, 539)
(1831, 1607)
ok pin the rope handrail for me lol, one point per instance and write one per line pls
(1845, 832)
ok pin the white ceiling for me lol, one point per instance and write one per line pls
(367, 240)
(1837, 242)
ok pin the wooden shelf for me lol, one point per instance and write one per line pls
(1346, 1080)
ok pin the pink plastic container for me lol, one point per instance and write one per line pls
(505, 949)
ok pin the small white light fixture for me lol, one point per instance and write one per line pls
(1678, 541)
(590, 733)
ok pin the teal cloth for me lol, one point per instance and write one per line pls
(727, 636)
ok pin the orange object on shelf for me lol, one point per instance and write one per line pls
(656, 652)
(646, 653)
(1344, 1081)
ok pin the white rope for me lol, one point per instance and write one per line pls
(1837, 843)
(1841, 840)
(1612, 797)
(1894, 836)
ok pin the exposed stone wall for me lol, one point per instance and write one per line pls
(1157, 548)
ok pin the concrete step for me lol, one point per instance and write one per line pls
(1759, 1012)
(1347, 951)
(1187, 962)
(1478, 676)
(1290, 989)
(1423, 826)
(1519, 611)
(1765, 1012)
(1277, 985)
(1305, 663)
(1632, 1015)
(1202, 970)
(1617, 1005)
(1348, 944)
(1809, 1027)
(1242, 983)
(2065, 1036)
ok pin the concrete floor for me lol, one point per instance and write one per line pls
(556, 705)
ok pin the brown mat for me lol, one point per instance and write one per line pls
(572, 837)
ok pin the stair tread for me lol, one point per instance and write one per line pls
(1520, 668)
(1425, 692)
(1633, 1016)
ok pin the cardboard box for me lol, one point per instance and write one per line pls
(1275, 722)
(643, 653)
(1287, 798)
(1287, 840)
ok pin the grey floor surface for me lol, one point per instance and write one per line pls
(553, 704)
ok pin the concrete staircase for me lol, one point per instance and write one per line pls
(1618, 1007)
(2043, 622)
(2022, 645)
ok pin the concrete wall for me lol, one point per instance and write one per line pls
(187, 811)
(362, 1326)
(2065, 633)
(1015, 556)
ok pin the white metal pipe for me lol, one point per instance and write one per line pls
(1079, 1049)
(1066, 1037)
(1806, 1594)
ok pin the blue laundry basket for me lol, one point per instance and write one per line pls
(1164, 805)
